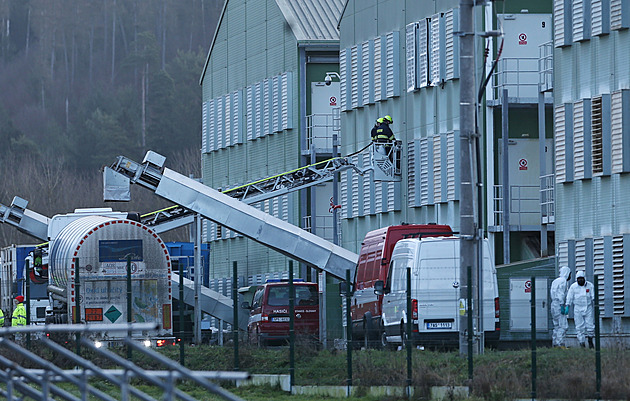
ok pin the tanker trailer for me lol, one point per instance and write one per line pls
(88, 269)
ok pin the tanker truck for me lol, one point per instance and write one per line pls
(87, 274)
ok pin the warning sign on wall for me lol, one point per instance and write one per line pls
(522, 164)
(522, 39)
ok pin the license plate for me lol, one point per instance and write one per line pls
(439, 325)
(280, 319)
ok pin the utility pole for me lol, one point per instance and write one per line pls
(468, 181)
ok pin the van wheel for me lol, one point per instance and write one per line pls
(384, 343)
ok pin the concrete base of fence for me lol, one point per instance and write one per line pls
(438, 393)
(342, 391)
(283, 381)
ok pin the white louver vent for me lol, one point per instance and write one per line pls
(618, 275)
(598, 270)
(354, 76)
(423, 54)
(596, 138)
(435, 50)
(619, 13)
(450, 44)
(580, 255)
(578, 139)
(451, 185)
(411, 47)
(424, 171)
(563, 254)
(617, 131)
(559, 125)
(411, 173)
(343, 78)
(344, 195)
(578, 20)
(437, 169)
(600, 17)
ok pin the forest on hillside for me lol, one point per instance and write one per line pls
(82, 81)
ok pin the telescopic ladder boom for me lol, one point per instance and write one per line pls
(230, 212)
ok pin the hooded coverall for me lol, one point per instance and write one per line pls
(558, 294)
(582, 297)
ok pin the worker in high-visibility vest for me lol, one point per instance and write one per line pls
(1, 318)
(19, 313)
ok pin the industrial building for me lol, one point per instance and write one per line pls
(558, 86)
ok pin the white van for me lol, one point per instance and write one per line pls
(435, 306)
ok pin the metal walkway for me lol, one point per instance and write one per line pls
(227, 211)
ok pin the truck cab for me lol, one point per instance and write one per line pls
(373, 265)
(269, 312)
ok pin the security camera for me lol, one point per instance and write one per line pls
(328, 80)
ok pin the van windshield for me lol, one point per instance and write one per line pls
(304, 295)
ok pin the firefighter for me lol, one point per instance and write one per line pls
(19, 313)
(381, 133)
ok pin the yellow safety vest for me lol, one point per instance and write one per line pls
(19, 316)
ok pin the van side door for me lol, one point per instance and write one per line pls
(395, 302)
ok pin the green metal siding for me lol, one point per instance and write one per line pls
(545, 268)
(253, 43)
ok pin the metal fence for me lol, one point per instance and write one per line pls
(40, 380)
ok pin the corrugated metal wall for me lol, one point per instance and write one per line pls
(594, 213)
(253, 48)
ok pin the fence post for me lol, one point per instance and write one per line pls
(348, 334)
(598, 355)
(27, 268)
(77, 306)
(533, 306)
(181, 313)
(235, 322)
(129, 301)
(409, 332)
(291, 326)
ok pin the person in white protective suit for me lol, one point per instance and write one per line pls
(581, 295)
(558, 294)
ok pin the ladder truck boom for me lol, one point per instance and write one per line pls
(25, 220)
(280, 184)
(227, 211)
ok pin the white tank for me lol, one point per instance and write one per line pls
(101, 246)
